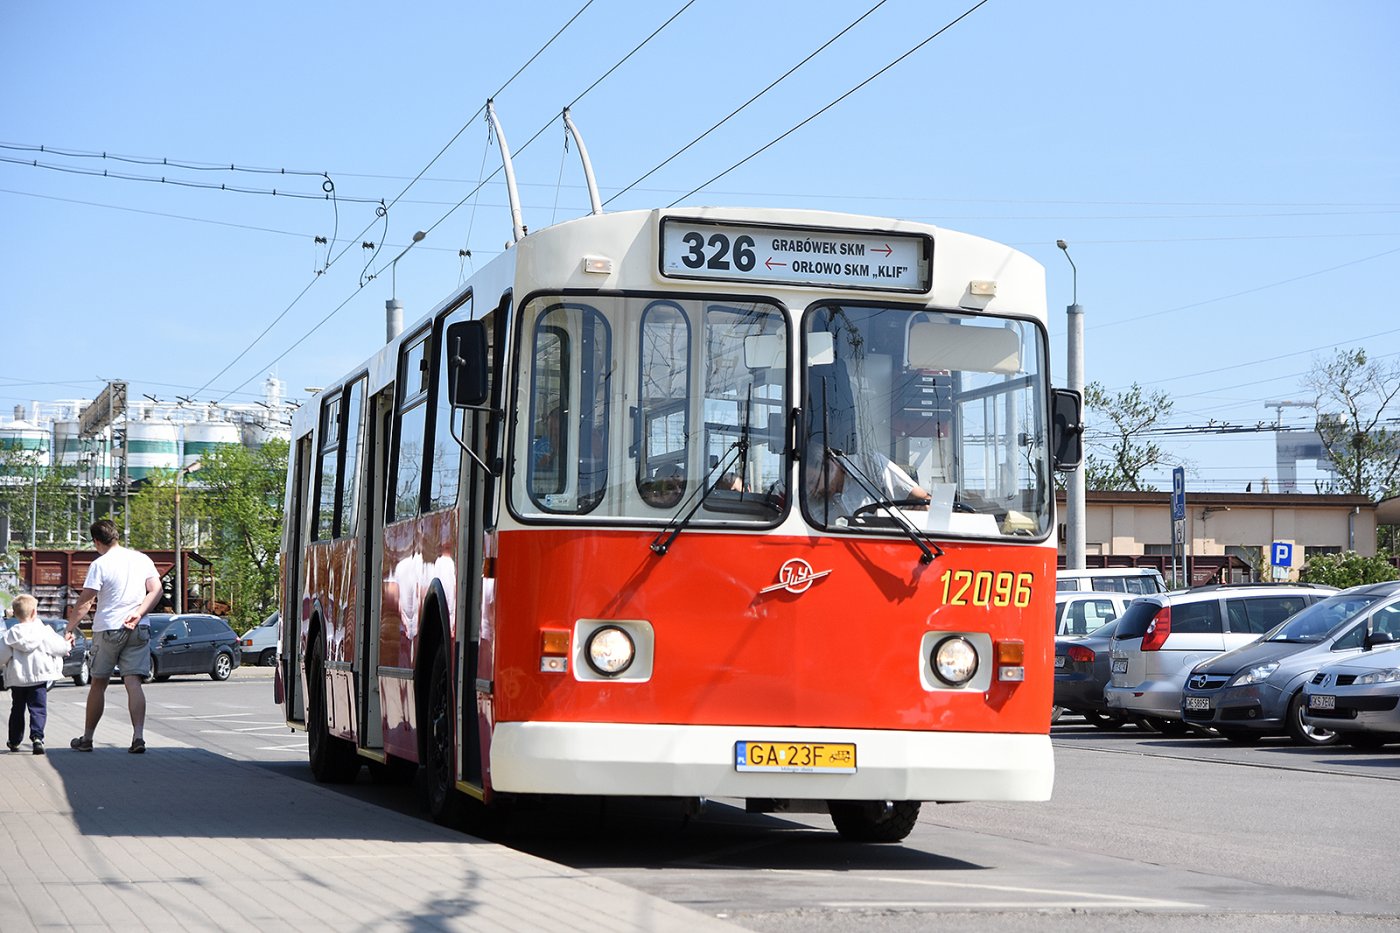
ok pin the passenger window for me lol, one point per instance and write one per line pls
(664, 405)
(446, 467)
(1260, 614)
(1387, 622)
(328, 470)
(351, 451)
(1196, 618)
(412, 429)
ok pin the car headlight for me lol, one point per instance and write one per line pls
(1388, 676)
(610, 650)
(1254, 675)
(954, 660)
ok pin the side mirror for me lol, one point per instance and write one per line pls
(466, 345)
(1067, 428)
(1377, 639)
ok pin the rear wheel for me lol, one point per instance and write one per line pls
(223, 666)
(333, 760)
(1103, 720)
(84, 675)
(874, 820)
(1303, 734)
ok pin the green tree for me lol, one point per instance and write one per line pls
(1355, 395)
(238, 499)
(1116, 456)
(151, 513)
(42, 501)
(1346, 569)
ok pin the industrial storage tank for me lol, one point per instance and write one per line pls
(257, 433)
(203, 437)
(87, 456)
(151, 445)
(23, 444)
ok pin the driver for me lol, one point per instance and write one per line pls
(828, 482)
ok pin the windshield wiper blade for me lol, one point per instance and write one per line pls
(882, 502)
(738, 453)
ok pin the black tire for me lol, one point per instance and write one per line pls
(874, 820)
(1303, 734)
(1240, 736)
(268, 658)
(333, 760)
(84, 675)
(1055, 713)
(223, 666)
(1104, 720)
(444, 803)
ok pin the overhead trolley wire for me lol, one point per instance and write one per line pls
(962, 16)
(737, 110)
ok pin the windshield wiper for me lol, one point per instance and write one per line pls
(738, 453)
(882, 502)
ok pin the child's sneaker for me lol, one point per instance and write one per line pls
(38, 746)
(12, 746)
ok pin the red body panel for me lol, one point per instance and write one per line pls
(330, 592)
(843, 653)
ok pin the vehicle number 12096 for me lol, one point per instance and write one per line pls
(998, 588)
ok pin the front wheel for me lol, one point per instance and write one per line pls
(874, 820)
(268, 658)
(1303, 734)
(84, 675)
(440, 795)
(223, 666)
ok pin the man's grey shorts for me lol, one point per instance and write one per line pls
(128, 649)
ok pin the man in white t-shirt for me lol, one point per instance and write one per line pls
(828, 482)
(125, 585)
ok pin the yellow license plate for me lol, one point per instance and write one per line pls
(823, 757)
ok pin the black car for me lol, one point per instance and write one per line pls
(192, 643)
(75, 663)
(1081, 670)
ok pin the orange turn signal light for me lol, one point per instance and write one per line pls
(1011, 652)
(554, 643)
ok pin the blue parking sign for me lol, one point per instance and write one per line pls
(1281, 554)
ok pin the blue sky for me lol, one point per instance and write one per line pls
(1225, 173)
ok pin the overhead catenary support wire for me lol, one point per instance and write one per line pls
(737, 110)
(777, 139)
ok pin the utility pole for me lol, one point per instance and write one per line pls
(1075, 525)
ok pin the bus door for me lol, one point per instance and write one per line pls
(378, 421)
(294, 702)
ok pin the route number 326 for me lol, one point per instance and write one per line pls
(718, 253)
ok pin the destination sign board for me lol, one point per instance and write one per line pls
(814, 256)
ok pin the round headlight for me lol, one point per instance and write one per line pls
(610, 650)
(954, 660)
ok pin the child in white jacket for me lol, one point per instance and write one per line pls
(32, 654)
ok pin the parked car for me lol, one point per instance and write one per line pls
(1359, 697)
(1079, 613)
(1081, 673)
(260, 644)
(192, 643)
(1135, 580)
(1257, 690)
(1162, 637)
(76, 664)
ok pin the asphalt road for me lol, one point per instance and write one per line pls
(1144, 833)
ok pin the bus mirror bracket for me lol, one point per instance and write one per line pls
(1067, 435)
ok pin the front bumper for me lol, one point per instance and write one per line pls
(1253, 706)
(698, 761)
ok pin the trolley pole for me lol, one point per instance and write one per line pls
(1075, 525)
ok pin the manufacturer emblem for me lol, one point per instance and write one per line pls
(795, 576)
(1198, 682)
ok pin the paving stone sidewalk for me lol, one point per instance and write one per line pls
(167, 841)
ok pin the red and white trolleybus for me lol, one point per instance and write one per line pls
(692, 503)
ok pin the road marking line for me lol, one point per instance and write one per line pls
(1090, 898)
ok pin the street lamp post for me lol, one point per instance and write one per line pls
(1075, 525)
(393, 308)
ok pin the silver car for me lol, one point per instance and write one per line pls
(1257, 690)
(1359, 698)
(1161, 638)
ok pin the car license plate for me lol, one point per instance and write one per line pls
(1120, 665)
(803, 757)
(1318, 701)
(1198, 702)
(1059, 660)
